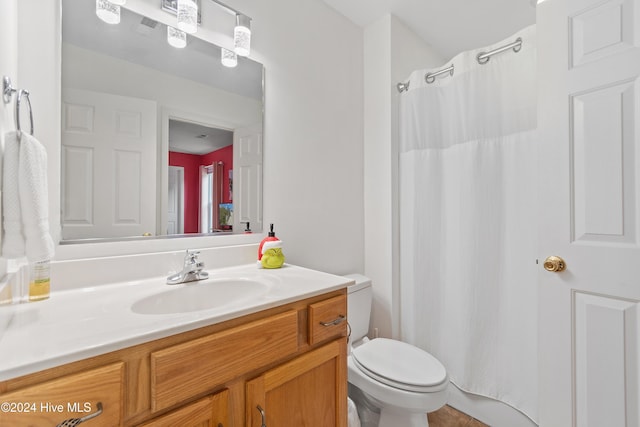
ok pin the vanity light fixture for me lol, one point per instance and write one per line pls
(242, 35)
(176, 38)
(188, 16)
(228, 57)
(119, 2)
(108, 11)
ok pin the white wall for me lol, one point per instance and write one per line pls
(9, 68)
(20, 23)
(39, 73)
(313, 130)
(313, 174)
(391, 53)
(8, 59)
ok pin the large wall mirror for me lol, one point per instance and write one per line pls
(156, 140)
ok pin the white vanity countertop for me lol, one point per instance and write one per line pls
(81, 323)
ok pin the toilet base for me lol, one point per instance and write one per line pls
(374, 413)
(390, 418)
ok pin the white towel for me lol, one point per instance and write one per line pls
(13, 239)
(34, 199)
(352, 413)
(25, 199)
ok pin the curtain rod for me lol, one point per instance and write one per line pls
(431, 77)
(482, 58)
(229, 8)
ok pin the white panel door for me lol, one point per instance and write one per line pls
(175, 200)
(247, 171)
(109, 156)
(588, 120)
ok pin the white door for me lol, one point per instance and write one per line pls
(175, 200)
(109, 151)
(588, 118)
(206, 200)
(247, 173)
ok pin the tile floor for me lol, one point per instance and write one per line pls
(450, 417)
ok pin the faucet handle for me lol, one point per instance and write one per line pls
(191, 257)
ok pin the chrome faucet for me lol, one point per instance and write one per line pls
(191, 271)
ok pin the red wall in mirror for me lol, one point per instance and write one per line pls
(191, 164)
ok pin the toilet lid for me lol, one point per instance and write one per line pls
(399, 364)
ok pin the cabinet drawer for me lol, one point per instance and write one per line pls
(74, 396)
(187, 369)
(210, 411)
(327, 319)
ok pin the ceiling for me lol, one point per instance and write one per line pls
(449, 26)
(196, 139)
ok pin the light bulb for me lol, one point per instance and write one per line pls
(176, 38)
(242, 35)
(228, 58)
(108, 12)
(188, 16)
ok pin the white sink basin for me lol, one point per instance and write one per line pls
(200, 295)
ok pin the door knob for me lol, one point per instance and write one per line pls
(554, 264)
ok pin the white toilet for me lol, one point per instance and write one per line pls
(400, 380)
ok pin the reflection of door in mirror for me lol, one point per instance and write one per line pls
(216, 194)
(114, 138)
(175, 201)
(211, 188)
(247, 146)
(206, 155)
(206, 199)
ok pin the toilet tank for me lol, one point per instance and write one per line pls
(359, 299)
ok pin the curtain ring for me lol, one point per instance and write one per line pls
(22, 92)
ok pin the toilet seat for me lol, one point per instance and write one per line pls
(400, 365)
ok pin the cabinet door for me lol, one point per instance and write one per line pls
(310, 391)
(212, 411)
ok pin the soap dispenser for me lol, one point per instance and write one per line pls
(270, 251)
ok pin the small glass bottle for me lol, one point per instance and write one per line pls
(39, 281)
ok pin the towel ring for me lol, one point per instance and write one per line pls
(7, 89)
(24, 93)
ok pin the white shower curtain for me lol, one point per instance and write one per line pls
(468, 165)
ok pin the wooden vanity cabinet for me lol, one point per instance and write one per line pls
(290, 360)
